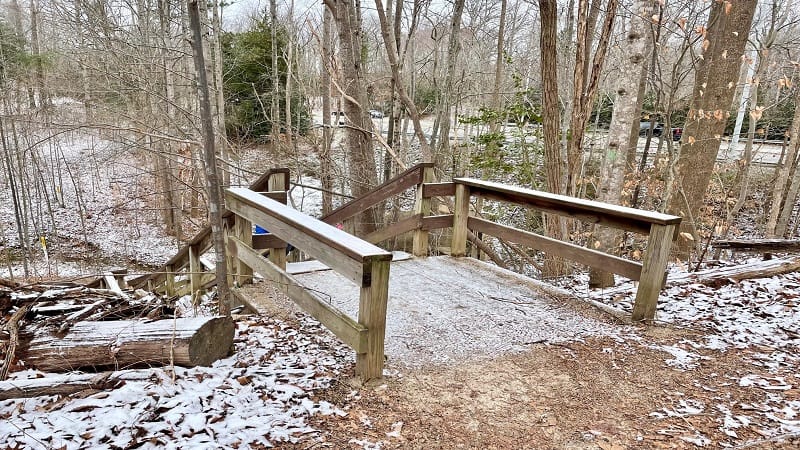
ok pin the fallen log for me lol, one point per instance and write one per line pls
(725, 275)
(68, 384)
(128, 343)
(758, 245)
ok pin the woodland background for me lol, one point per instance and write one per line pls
(543, 94)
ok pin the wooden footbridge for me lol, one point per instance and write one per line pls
(367, 266)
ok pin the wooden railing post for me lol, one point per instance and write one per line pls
(422, 207)
(194, 269)
(243, 230)
(458, 246)
(372, 314)
(654, 265)
(278, 181)
(169, 280)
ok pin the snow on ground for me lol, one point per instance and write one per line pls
(450, 310)
(111, 185)
(260, 396)
(758, 318)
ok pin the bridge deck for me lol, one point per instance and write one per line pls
(444, 309)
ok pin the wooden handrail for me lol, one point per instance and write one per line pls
(342, 251)
(202, 240)
(411, 177)
(587, 210)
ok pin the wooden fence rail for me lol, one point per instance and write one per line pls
(358, 260)
(660, 228)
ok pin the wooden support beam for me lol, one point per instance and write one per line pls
(194, 268)
(458, 246)
(589, 257)
(437, 222)
(654, 265)
(243, 230)
(169, 280)
(430, 189)
(372, 315)
(404, 226)
(621, 217)
(398, 184)
(422, 208)
(344, 327)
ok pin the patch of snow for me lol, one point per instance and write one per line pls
(261, 395)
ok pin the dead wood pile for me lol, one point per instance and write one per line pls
(63, 326)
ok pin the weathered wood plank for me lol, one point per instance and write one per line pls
(586, 210)
(268, 240)
(589, 257)
(458, 246)
(437, 222)
(422, 207)
(243, 230)
(447, 189)
(654, 264)
(194, 268)
(758, 245)
(278, 196)
(341, 251)
(398, 184)
(123, 343)
(372, 315)
(403, 226)
(71, 383)
(343, 326)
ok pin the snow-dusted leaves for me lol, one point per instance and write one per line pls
(260, 396)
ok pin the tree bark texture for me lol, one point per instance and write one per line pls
(551, 120)
(627, 105)
(125, 343)
(362, 174)
(215, 206)
(388, 33)
(715, 85)
(585, 86)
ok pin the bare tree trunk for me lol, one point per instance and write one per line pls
(443, 112)
(41, 85)
(387, 31)
(360, 155)
(627, 105)
(215, 199)
(274, 105)
(219, 97)
(551, 121)
(779, 217)
(585, 83)
(326, 163)
(288, 89)
(714, 89)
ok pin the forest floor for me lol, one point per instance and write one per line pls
(719, 369)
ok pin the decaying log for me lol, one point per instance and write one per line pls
(126, 343)
(726, 275)
(759, 245)
(68, 384)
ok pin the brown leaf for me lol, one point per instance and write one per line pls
(244, 380)
(728, 7)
